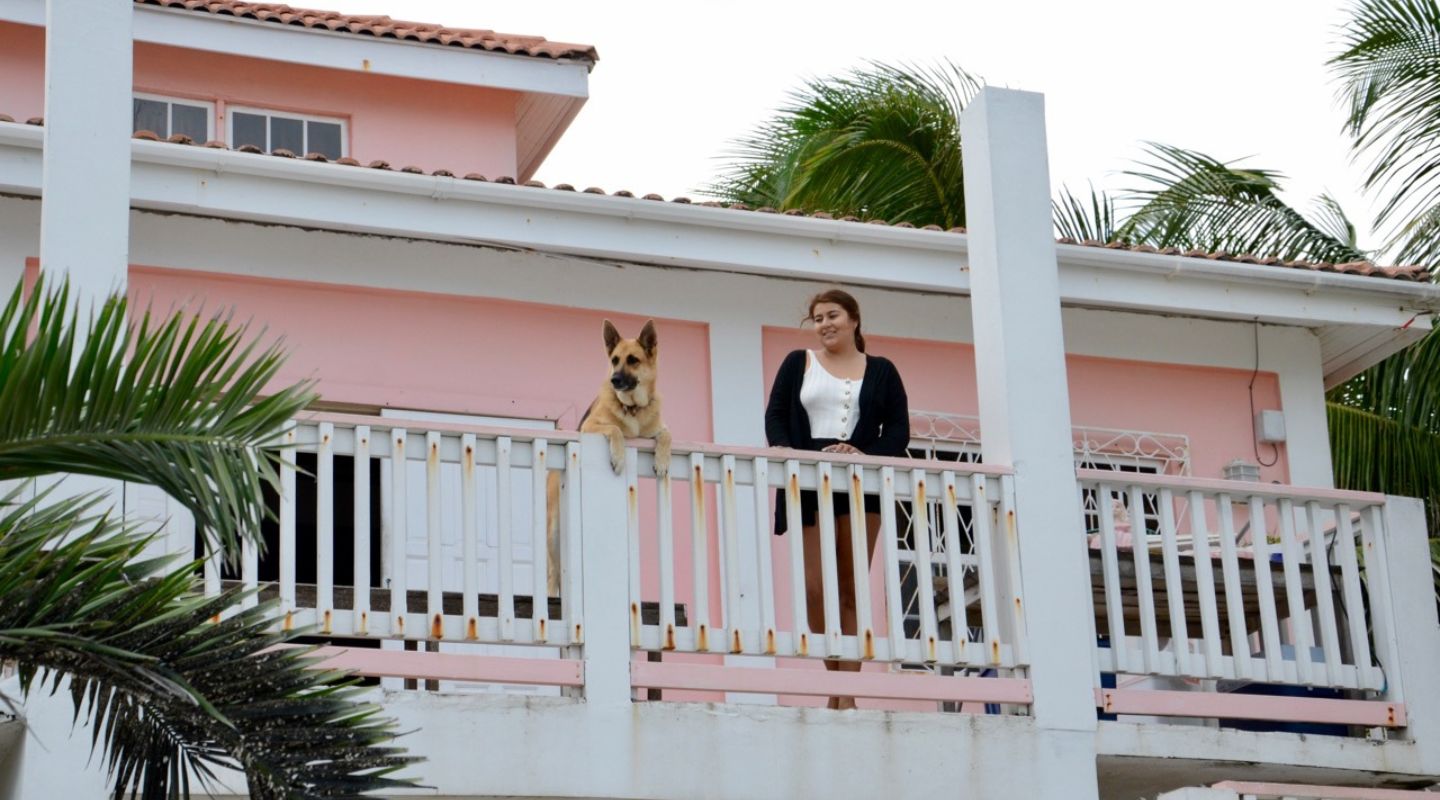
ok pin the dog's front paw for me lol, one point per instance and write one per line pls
(662, 468)
(617, 462)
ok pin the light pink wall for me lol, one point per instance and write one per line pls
(1209, 405)
(405, 122)
(22, 71)
(442, 352)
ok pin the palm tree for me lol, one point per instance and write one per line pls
(176, 684)
(882, 142)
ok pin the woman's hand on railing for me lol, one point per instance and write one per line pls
(841, 448)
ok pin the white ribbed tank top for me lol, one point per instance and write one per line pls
(833, 404)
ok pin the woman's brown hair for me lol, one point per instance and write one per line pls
(843, 299)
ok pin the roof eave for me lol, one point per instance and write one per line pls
(567, 77)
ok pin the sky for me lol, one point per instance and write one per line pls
(677, 82)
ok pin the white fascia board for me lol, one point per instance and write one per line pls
(259, 188)
(320, 48)
(1092, 276)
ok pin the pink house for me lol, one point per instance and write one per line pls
(1071, 601)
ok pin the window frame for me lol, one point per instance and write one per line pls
(232, 109)
(170, 101)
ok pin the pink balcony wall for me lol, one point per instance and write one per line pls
(406, 122)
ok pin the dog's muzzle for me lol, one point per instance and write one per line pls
(623, 382)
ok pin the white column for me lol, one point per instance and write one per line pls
(1294, 355)
(737, 402)
(1416, 629)
(1024, 399)
(608, 718)
(605, 562)
(85, 214)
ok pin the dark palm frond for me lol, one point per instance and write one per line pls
(173, 402)
(1389, 74)
(1385, 427)
(1329, 218)
(1087, 220)
(1373, 453)
(174, 694)
(882, 142)
(1194, 201)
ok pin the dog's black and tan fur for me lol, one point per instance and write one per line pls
(627, 407)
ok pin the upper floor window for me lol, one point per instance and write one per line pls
(166, 116)
(298, 133)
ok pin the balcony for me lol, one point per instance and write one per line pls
(674, 603)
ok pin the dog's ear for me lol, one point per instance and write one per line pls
(612, 336)
(647, 337)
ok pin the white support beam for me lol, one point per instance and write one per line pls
(1023, 394)
(1417, 630)
(85, 215)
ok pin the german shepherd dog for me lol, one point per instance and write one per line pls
(627, 407)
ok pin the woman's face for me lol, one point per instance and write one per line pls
(834, 327)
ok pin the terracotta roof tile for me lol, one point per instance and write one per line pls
(1415, 273)
(386, 28)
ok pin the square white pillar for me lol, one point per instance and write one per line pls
(1024, 397)
(85, 209)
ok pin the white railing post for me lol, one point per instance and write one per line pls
(1025, 400)
(1408, 633)
(605, 562)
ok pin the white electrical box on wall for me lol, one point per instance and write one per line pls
(1270, 427)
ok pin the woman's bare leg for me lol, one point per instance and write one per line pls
(846, 575)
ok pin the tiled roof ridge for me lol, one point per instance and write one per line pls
(1416, 273)
(385, 27)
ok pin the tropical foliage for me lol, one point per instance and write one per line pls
(177, 685)
(881, 142)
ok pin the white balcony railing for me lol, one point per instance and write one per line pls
(941, 589)
(1241, 582)
(1209, 582)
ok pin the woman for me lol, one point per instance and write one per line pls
(836, 399)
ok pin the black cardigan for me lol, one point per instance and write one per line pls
(882, 430)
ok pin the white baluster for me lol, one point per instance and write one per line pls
(469, 538)
(699, 554)
(540, 570)
(325, 527)
(765, 568)
(361, 599)
(504, 526)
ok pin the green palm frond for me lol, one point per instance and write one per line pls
(1087, 220)
(1194, 201)
(882, 142)
(1373, 453)
(173, 694)
(1389, 74)
(174, 403)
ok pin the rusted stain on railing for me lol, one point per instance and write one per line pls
(736, 646)
(326, 621)
(364, 625)
(669, 643)
(803, 647)
(437, 627)
(289, 622)
(634, 624)
(702, 638)
(868, 651)
(770, 641)
(472, 628)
